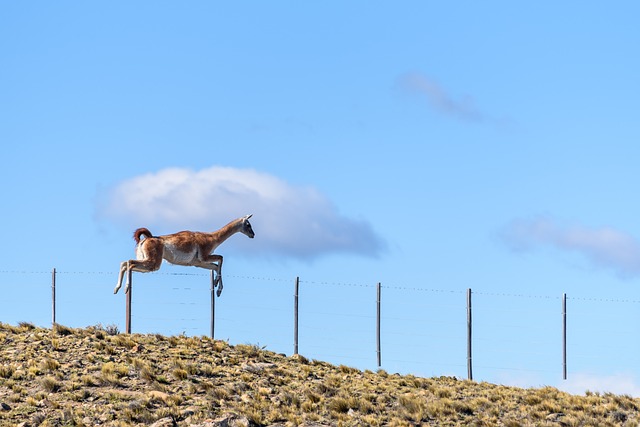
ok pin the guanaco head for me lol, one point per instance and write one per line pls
(246, 227)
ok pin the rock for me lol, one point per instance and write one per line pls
(187, 412)
(164, 422)
(158, 395)
(256, 368)
(554, 417)
(5, 407)
(227, 420)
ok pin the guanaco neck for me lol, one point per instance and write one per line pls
(227, 231)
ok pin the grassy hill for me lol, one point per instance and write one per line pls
(95, 376)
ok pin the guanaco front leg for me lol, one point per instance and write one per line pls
(213, 262)
(218, 281)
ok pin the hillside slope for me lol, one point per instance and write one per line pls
(93, 376)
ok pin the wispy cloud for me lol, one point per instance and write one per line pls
(619, 383)
(605, 246)
(440, 99)
(289, 220)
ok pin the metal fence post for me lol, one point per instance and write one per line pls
(295, 316)
(128, 299)
(378, 327)
(53, 298)
(564, 336)
(469, 330)
(213, 304)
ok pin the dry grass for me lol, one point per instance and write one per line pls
(92, 376)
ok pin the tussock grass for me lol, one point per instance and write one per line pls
(96, 376)
(62, 330)
(7, 371)
(50, 384)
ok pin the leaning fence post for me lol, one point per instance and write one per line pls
(564, 336)
(469, 368)
(378, 328)
(295, 316)
(128, 299)
(53, 298)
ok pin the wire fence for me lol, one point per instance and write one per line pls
(419, 330)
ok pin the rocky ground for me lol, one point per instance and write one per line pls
(96, 376)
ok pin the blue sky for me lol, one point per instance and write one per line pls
(429, 147)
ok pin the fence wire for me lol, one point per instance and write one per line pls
(423, 330)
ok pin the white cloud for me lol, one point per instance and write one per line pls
(619, 383)
(299, 222)
(576, 383)
(439, 98)
(605, 246)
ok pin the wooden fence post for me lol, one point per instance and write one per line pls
(564, 336)
(128, 299)
(295, 316)
(378, 327)
(53, 298)
(213, 304)
(469, 330)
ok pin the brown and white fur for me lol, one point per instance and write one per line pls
(189, 248)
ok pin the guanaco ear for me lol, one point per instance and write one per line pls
(248, 216)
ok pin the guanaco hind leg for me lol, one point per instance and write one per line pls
(123, 268)
(150, 254)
